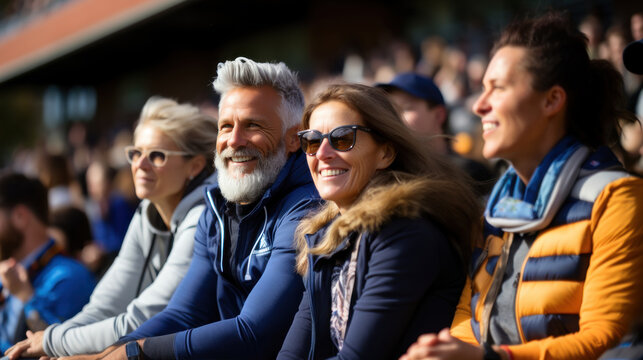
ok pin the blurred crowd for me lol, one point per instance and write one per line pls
(15, 13)
(92, 193)
(458, 74)
(91, 183)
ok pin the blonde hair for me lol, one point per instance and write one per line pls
(191, 130)
(450, 200)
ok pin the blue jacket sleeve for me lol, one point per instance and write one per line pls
(401, 297)
(61, 292)
(258, 331)
(297, 343)
(193, 301)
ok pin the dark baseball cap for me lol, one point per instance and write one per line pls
(633, 57)
(416, 85)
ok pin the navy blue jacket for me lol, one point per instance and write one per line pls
(245, 313)
(408, 282)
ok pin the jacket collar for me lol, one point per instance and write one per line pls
(153, 220)
(376, 207)
(190, 200)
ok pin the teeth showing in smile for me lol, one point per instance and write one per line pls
(489, 126)
(241, 159)
(332, 172)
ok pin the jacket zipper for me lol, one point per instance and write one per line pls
(311, 293)
(221, 233)
(247, 277)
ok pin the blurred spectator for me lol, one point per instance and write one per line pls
(475, 68)
(69, 226)
(110, 215)
(55, 174)
(423, 109)
(402, 54)
(451, 76)
(115, 153)
(636, 25)
(633, 64)
(40, 285)
(616, 39)
(433, 49)
(80, 152)
(353, 70)
(592, 28)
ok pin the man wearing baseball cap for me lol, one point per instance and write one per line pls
(424, 111)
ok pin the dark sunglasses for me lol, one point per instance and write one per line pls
(341, 138)
(156, 157)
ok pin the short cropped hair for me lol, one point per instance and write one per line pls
(243, 72)
(17, 189)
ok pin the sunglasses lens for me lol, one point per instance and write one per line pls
(342, 139)
(133, 155)
(157, 158)
(310, 142)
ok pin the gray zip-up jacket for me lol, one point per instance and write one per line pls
(128, 295)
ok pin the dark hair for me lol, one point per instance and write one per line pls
(557, 55)
(17, 189)
(55, 170)
(73, 222)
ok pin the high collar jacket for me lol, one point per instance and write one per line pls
(580, 283)
(408, 281)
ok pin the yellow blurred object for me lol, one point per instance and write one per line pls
(462, 143)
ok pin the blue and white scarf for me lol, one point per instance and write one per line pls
(514, 207)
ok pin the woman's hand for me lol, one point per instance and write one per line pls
(442, 346)
(113, 352)
(30, 347)
(80, 357)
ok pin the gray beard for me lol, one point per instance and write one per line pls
(247, 188)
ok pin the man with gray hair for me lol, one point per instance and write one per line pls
(241, 291)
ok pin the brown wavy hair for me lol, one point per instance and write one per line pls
(450, 201)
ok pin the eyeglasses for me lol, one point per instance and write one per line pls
(341, 138)
(156, 157)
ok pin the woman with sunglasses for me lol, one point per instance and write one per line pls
(171, 161)
(383, 260)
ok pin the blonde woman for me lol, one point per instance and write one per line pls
(172, 162)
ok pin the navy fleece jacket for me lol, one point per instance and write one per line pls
(245, 313)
